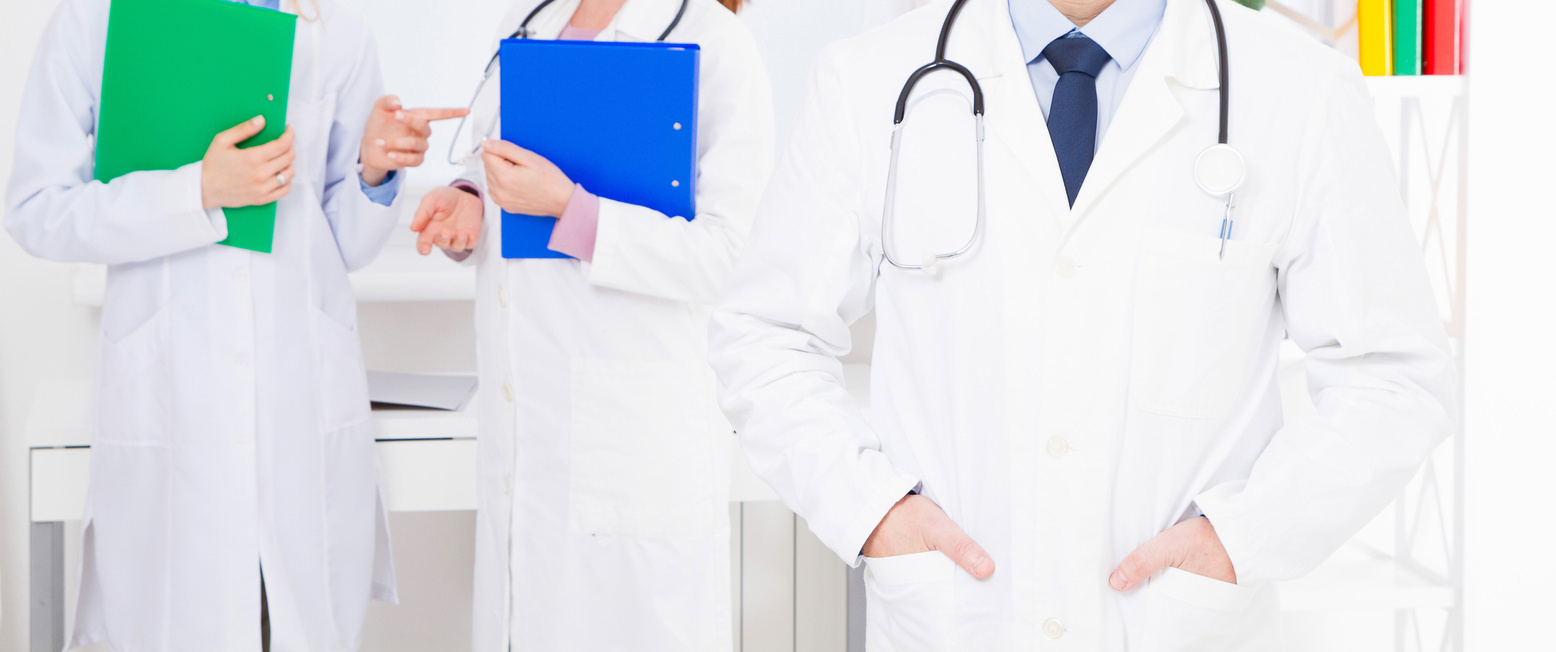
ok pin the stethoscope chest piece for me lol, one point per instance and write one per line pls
(1220, 170)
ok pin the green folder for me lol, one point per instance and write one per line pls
(1407, 37)
(178, 72)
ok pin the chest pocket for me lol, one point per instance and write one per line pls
(1199, 319)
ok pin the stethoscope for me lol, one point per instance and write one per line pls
(524, 32)
(1219, 170)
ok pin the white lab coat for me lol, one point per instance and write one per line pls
(232, 425)
(604, 459)
(1070, 388)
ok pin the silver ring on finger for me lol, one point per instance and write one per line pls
(281, 179)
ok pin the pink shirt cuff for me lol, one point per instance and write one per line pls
(577, 228)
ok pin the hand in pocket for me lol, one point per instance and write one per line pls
(916, 524)
(1191, 546)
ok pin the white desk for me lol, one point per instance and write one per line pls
(427, 457)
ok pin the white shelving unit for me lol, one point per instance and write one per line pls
(1427, 119)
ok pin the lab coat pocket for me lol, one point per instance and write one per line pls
(645, 436)
(1192, 613)
(908, 602)
(339, 373)
(134, 387)
(1199, 319)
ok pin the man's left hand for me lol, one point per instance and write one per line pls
(1191, 545)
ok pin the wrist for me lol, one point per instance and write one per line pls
(373, 177)
(564, 198)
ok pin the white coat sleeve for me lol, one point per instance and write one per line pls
(1354, 290)
(808, 273)
(53, 207)
(641, 250)
(360, 225)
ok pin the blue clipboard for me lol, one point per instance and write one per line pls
(618, 118)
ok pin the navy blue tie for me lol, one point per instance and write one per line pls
(1072, 116)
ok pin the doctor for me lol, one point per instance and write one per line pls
(1076, 438)
(604, 461)
(233, 471)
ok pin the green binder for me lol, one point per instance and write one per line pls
(1407, 37)
(178, 72)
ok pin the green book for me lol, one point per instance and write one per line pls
(1407, 37)
(178, 72)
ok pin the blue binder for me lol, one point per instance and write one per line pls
(619, 118)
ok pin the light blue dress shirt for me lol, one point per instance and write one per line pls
(384, 193)
(1124, 29)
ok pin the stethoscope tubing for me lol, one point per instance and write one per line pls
(523, 32)
(941, 62)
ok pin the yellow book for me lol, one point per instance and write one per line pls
(1375, 36)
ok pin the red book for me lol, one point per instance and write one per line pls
(1443, 37)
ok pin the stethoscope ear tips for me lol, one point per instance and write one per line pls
(1220, 169)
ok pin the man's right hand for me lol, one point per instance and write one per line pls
(916, 524)
(233, 178)
(448, 218)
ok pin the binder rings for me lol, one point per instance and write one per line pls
(178, 72)
(618, 118)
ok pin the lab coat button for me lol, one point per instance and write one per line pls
(1058, 447)
(502, 297)
(1065, 267)
(507, 484)
(507, 392)
(243, 359)
(239, 273)
(1053, 628)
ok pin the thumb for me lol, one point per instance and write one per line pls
(949, 539)
(1147, 560)
(244, 131)
(436, 205)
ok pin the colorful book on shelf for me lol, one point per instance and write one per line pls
(1407, 36)
(1374, 34)
(1442, 34)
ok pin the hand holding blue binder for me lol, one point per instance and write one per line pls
(618, 118)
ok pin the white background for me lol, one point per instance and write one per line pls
(431, 53)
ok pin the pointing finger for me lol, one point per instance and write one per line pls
(434, 115)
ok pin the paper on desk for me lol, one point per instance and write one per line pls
(436, 392)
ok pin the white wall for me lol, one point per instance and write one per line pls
(1511, 328)
(42, 335)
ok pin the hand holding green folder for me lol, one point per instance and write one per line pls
(178, 72)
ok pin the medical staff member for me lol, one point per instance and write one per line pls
(232, 448)
(604, 459)
(1075, 438)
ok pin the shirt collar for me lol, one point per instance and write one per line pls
(1123, 29)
